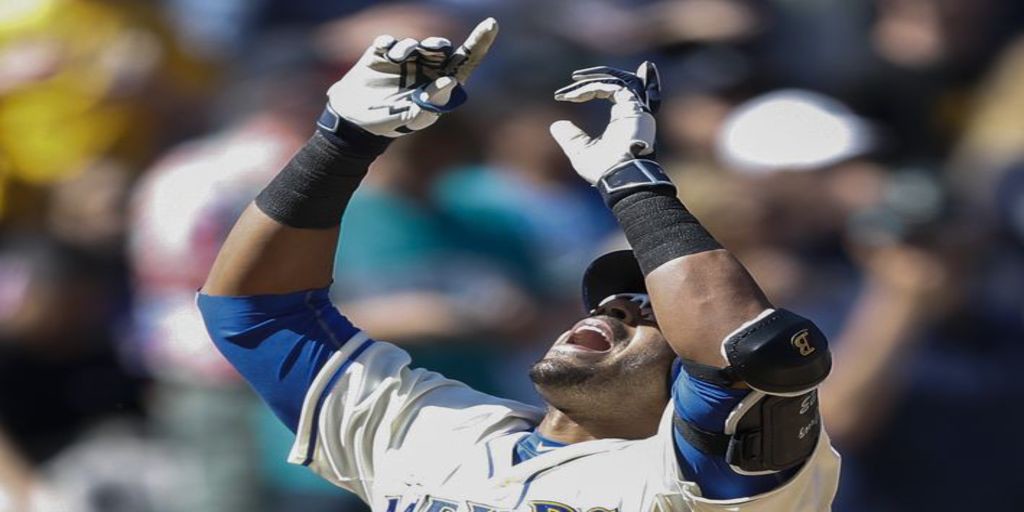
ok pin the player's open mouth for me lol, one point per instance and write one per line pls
(591, 334)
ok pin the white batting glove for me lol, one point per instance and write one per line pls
(398, 87)
(630, 132)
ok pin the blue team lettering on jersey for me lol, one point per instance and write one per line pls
(394, 501)
(440, 505)
(476, 507)
(435, 504)
(550, 506)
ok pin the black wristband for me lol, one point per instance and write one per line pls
(628, 177)
(315, 186)
(349, 138)
(659, 227)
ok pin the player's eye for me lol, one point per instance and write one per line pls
(631, 308)
(619, 313)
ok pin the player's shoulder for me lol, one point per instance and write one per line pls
(457, 431)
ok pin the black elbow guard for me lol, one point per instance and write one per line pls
(781, 353)
(782, 357)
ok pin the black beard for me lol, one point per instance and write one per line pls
(559, 374)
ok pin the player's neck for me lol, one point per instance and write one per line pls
(565, 428)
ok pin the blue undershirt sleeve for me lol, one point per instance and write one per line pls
(278, 343)
(707, 406)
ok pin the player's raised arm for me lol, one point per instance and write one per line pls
(701, 294)
(265, 302)
(285, 240)
(745, 401)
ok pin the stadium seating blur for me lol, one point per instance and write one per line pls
(863, 158)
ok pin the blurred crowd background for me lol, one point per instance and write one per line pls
(864, 159)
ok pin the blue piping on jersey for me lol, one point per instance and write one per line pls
(311, 448)
(320, 320)
(490, 460)
(526, 487)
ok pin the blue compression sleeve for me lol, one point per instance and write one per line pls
(707, 406)
(277, 342)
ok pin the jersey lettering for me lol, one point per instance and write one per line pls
(550, 506)
(433, 504)
(476, 507)
(440, 505)
(393, 502)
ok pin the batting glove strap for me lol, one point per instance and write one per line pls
(629, 177)
(457, 98)
(349, 137)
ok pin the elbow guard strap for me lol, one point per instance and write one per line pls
(782, 357)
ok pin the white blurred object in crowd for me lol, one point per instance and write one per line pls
(791, 130)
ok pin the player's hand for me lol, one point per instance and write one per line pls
(630, 132)
(400, 86)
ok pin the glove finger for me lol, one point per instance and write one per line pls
(587, 90)
(580, 74)
(595, 76)
(439, 92)
(440, 96)
(377, 49)
(383, 43)
(420, 118)
(651, 78)
(403, 50)
(569, 137)
(436, 44)
(473, 50)
(434, 51)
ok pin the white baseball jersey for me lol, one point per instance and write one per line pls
(410, 440)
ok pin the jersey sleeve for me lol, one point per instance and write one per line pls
(707, 406)
(355, 404)
(706, 483)
(278, 343)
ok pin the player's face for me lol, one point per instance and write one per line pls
(617, 348)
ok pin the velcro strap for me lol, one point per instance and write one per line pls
(710, 443)
(457, 98)
(630, 176)
(718, 376)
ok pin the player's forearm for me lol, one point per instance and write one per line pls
(262, 256)
(866, 382)
(699, 291)
(285, 240)
(16, 477)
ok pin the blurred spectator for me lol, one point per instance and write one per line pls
(994, 135)
(344, 39)
(89, 71)
(409, 270)
(181, 211)
(57, 316)
(60, 373)
(17, 479)
(876, 257)
(560, 219)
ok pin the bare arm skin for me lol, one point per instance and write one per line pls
(16, 477)
(263, 256)
(699, 299)
(905, 289)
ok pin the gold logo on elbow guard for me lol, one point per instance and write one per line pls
(802, 342)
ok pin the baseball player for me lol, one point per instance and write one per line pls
(682, 389)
